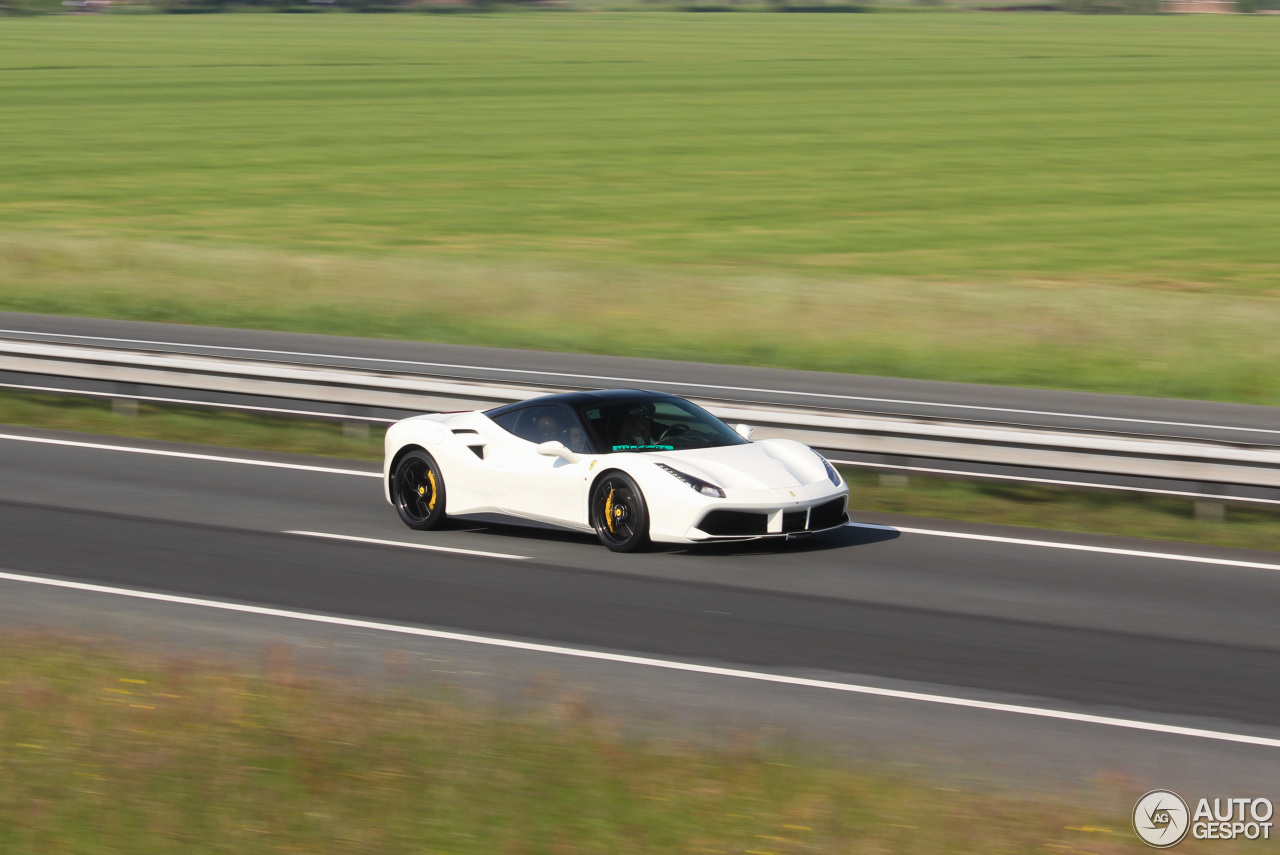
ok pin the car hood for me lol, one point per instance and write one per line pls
(764, 465)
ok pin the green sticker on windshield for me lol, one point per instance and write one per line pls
(644, 448)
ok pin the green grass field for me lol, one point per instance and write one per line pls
(1065, 201)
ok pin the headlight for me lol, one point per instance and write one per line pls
(696, 483)
(832, 474)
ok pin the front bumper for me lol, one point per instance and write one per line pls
(730, 520)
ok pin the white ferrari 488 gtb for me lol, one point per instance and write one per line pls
(629, 466)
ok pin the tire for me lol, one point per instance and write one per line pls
(619, 513)
(417, 491)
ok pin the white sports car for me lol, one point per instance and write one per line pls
(629, 466)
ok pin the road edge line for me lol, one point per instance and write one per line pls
(665, 664)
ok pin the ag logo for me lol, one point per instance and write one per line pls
(1161, 819)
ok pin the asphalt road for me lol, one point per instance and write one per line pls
(1234, 423)
(1146, 636)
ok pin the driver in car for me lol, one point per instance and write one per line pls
(637, 427)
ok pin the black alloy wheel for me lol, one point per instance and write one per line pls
(619, 514)
(417, 490)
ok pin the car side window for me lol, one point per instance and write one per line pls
(539, 424)
(507, 421)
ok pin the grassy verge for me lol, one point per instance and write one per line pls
(188, 424)
(1025, 199)
(1096, 512)
(110, 750)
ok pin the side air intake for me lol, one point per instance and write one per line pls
(734, 523)
(827, 515)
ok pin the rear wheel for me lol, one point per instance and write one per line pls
(619, 513)
(417, 491)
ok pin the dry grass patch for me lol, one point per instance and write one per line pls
(1064, 334)
(109, 749)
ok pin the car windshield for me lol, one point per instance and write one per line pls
(655, 424)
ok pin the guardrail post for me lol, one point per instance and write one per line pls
(354, 429)
(125, 405)
(1211, 511)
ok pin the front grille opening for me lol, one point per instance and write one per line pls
(794, 520)
(827, 515)
(734, 523)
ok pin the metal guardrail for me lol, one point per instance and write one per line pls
(1007, 445)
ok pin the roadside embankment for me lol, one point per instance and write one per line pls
(109, 748)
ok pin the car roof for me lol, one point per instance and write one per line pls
(574, 400)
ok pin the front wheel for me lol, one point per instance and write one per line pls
(417, 491)
(619, 514)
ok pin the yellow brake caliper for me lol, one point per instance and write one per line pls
(608, 511)
(431, 505)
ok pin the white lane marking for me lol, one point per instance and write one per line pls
(612, 379)
(187, 455)
(1078, 547)
(1090, 485)
(665, 664)
(188, 402)
(427, 546)
(1170, 556)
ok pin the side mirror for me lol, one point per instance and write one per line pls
(556, 448)
(744, 431)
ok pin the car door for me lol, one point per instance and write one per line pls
(549, 489)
